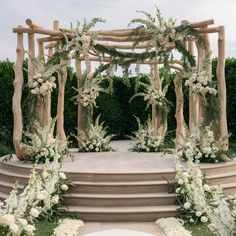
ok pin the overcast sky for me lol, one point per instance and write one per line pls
(117, 13)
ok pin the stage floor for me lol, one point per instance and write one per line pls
(120, 161)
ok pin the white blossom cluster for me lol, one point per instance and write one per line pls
(42, 193)
(147, 139)
(173, 227)
(200, 83)
(202, 146)
(154, 95)
(88, 95)
(201, 202)
(68, 227)
(96, 138)
(43, 82)
(42, 144)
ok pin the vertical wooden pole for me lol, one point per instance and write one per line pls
(80, 111)
(60, 102)
(154, 107)
(191, 103)
(201, 58)
(222, 87)
(17, 96)
(179, 115)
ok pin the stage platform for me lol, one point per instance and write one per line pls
(119, 186)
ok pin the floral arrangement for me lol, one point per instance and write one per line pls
(80, 40)
(41, 145)
(173, 227)
(43, 82)
(153, 94)
(200, 202)
(203, 147)
(90, 89)
(200, 83)
(165, 35)
(42, 198)
(96, 138)
(147, 139)
(68, 227)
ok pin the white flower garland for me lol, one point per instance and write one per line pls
(42, 193)
(68, 227)
(173, 227)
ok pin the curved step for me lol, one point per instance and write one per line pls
(121, 200)
(120, 187)
(137, 213)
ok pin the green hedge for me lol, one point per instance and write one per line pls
(116, 111)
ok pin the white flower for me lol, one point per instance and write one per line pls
(64, 187)
(187, 205)
(90, 146)
(97, 149)
(62, 175)
(204, 219)
(198, 213)
(41, 196)
(34, 212)
(23, 221)
(180, 182)
(55, 199)
(14, 228)
(177, 190)
(7, 219)
(29, 229)
(207, 187)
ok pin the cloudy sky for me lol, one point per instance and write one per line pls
(117, 13)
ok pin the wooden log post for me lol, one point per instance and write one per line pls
(222, 87)
(17, 96)
(60, 102)
(181, 130)
(201, 59)
(154, 107)
(80, 111)
(191, 103)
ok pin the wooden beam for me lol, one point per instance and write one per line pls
(31, 24)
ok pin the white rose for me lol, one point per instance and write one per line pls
(177, 190)
(90, 146)
(97, 149)
(7, 219)
(55, 199)
(14, 228)
(64, 187)
(207, 187)
(29, 229)
(40, 80)
(198, 213)
(180, 181)
(147, 149)
(187, 205)
(204, 219)
(34, 212)
(23, 221)
(62, 175)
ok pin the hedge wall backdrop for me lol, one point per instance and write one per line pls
(116, 111)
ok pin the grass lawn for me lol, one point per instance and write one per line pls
(44, 228)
